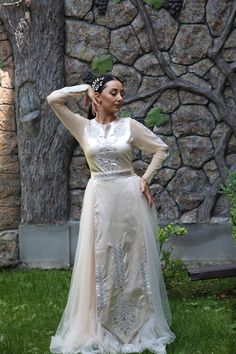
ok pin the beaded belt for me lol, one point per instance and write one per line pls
(111, 174)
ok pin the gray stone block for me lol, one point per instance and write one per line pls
(206, 243)
(74, 233)
(44, 246)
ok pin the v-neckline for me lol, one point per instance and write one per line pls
(106, 124)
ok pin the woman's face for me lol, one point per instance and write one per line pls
(111, 97)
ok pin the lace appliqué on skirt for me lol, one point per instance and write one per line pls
(100, 288)
(145, 282)
(119, 267)
(124, 316)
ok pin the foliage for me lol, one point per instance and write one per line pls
(155, 117)
(157, 4)
(102, 64)
(170, 233)
(230, 191)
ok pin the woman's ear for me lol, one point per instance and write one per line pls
(97, 95)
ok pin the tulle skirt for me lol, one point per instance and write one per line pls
(117, 301)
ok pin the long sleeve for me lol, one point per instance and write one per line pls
(74, 122)
(144, 139)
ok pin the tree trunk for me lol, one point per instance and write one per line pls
(36, 31)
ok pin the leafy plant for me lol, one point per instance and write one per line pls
(155, 117)
(102, 64)
(230, 191)
(157, 4)
(170, 233)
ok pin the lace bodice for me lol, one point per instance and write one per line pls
(108, 147)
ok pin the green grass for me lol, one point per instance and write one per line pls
(32, 302)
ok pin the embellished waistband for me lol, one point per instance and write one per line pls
(112, 174)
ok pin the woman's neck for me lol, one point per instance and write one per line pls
(105, 118)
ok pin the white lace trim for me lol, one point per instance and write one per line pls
(156, 346)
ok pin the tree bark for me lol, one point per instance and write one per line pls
(36, 32)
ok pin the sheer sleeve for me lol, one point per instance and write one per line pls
(75, 123)
(144, 139)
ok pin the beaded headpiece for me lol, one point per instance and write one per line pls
(98, 82)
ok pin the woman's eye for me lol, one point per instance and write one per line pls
(114, 94)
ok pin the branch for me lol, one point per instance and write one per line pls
(204, 210)
(189, 86)
(220, 84)
(220, 155)
(178, 84)
(142, 95)
(227, 71)
(214, 52)
(220, 41)
(144, 111)
(152, 38)
(213, 95)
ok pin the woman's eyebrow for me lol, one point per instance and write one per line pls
(115, 89)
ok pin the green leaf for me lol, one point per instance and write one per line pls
(157, 4)
(155, 117)
(102, 64)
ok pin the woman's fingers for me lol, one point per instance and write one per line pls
(149, 198)
(146, 192)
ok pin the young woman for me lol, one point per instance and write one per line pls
(117, 300)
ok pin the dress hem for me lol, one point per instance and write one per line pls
(154, 346)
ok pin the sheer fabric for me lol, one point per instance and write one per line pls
(117, 301)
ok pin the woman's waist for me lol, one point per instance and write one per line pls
(112, 174)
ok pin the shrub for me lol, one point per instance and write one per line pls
(172, 268)
(230, 191)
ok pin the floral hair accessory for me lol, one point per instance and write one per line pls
(98, 82)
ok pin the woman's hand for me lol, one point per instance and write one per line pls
(93, 98)
(146, 192)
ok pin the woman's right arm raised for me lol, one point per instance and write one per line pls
(74, 122)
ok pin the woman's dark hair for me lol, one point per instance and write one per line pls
(100, 87)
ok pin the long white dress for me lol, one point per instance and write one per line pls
(117, 301)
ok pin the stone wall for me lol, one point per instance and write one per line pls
(9, 165)
(194, 125)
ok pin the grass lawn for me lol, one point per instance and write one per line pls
(32, 302)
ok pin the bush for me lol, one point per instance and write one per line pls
(230, 191)
(172, 268)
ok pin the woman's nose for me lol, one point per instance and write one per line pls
(119, 97)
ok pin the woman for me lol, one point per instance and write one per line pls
(117, 301)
